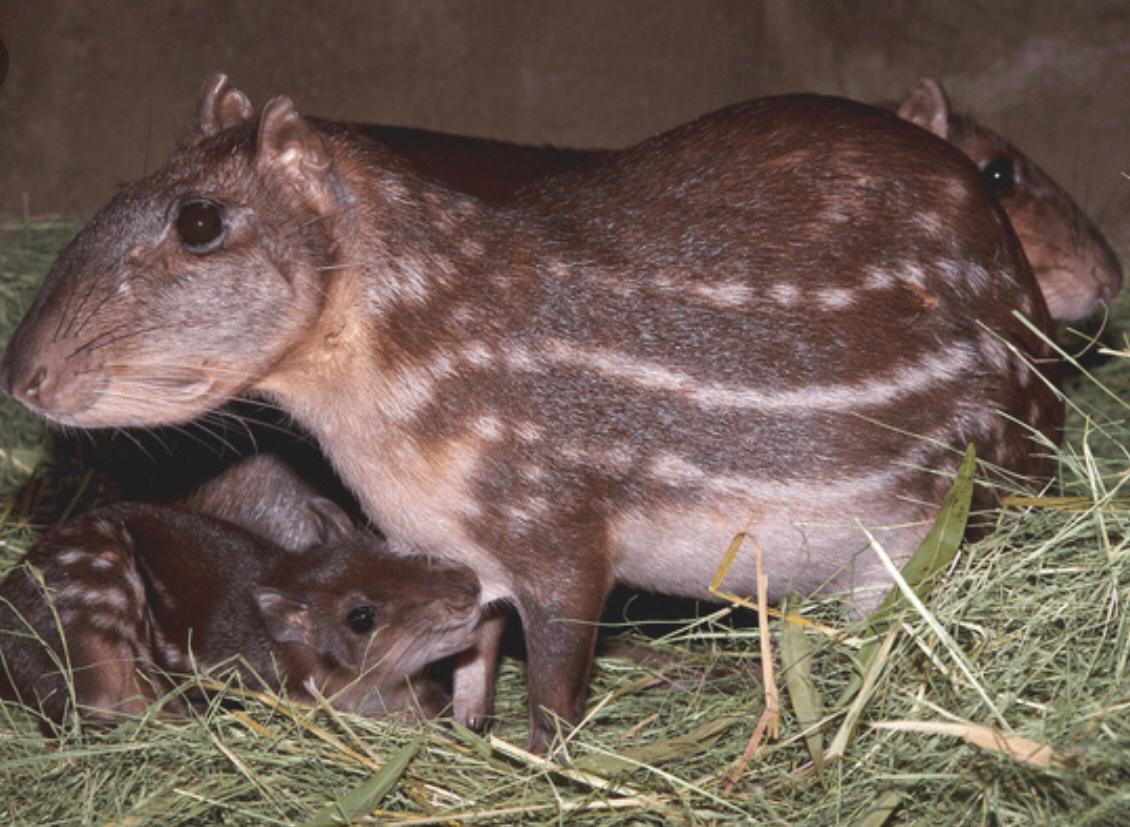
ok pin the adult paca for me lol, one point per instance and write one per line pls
(787, 317)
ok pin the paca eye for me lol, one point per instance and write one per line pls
(1000, 173)
(200, 225)
(362, 619)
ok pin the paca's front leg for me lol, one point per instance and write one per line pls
(559, 620)
(473, 677)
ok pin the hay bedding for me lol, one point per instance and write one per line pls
(1004, 700)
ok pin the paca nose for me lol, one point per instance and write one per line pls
(34, 389)
(21, 385)
(48, 385)
(38, 381)
(38, 386)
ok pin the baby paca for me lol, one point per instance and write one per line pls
(123, 597)
(787, 318)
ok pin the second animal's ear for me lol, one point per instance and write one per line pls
(332, 521)
(927, 106)
(291, 148)
(221, 105)
(287, 620)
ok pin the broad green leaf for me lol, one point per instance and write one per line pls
(796, 661)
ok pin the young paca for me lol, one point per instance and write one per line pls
(125, 595)
(1076, 268)
(786, 318)
(267, 494)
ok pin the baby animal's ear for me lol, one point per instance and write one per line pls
(221, 105)
(927, 106)
(333, 523)
(291, 148)
(287, 620)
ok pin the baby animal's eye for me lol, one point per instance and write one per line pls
(362, 619)
(1000, 173)
(200, 225)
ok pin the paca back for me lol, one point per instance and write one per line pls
(761, 324)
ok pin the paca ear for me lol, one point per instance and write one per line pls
(287, 620)
(332, 521)
(221, 105)
(289, 147)
(927, 106)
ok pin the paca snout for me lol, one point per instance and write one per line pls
(68, 372)
(41, 381)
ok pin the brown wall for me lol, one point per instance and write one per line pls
(99, 91)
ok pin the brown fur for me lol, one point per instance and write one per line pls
(267, 495)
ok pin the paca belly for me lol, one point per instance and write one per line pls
(810, 536)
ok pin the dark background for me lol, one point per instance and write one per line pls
(98, 92)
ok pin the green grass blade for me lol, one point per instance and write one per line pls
(931, 558)
(365, 796)
(699, 739)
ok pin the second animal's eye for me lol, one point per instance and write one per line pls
(1000, 173)
(200, 225)
(362, 619)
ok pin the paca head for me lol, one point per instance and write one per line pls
(357, 622)
(138, 304)
(1074, 264)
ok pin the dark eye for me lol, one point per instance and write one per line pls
(200, 225)
(362, 619)
(1000, 174)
